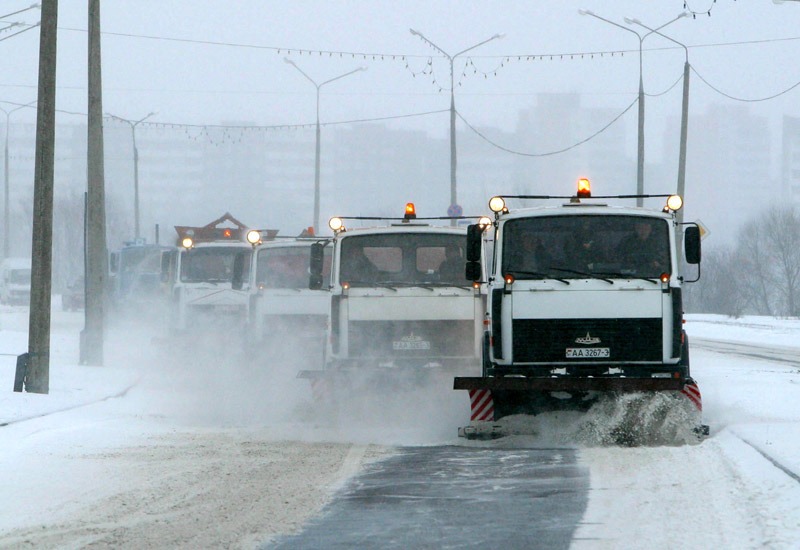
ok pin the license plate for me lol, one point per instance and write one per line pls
(417, 344)
(588, 352)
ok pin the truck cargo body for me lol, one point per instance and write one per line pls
(203, 297)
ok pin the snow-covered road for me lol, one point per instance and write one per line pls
(201, 454)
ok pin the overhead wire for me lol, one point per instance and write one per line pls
(33, 26)
(550, 153)
(707, 83)
(668, 89)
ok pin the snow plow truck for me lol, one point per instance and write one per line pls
(584, 302)
(401, 307)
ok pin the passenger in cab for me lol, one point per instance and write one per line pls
(532, 255)
(642, 251)
(453, 267)
(583, 251)
(356, 267)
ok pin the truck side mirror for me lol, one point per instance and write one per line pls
(473, 271)
(165, 267)
(691, 243)
(315, 266)
(237, 281)
(474, 241)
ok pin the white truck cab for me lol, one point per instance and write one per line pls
(583, 299)
(201, 272)
(285, 315)
(399, 298)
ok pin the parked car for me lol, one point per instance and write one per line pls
(73, 297)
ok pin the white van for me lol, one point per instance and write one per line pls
(15, 281)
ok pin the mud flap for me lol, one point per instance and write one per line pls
(692, 393)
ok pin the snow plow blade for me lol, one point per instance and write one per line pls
(567, 384)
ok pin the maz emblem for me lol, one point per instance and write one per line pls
(587, 340)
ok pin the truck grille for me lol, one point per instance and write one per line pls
(546, 340)
(300, 325)
(410, 339)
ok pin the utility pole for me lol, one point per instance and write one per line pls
(37, 378)
(91, 349)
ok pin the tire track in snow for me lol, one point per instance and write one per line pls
(772, 460)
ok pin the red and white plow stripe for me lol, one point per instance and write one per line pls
(692, 392)
(482, 405)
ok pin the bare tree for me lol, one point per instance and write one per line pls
(780, 227)
(719, 290)
(756, 275)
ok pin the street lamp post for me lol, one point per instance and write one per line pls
(317, 147)
(6, 184)
(684, 109)
(684, 120)
(453, 157)
(133, 124)
(640, 147)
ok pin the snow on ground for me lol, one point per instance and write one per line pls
(193, 450)
(722, 493)
(158, 449)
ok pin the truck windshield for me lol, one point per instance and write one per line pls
(211, 264)
(287, 267)
(574, 247)
(403, 259)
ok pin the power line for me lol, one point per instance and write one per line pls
(155, 124)
(790, 88)
(507, 150)
(680, 77)
(19, 32)
(375, 56)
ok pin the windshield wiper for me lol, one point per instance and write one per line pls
(383, 284)
(539, 275)
(584, 273)
(653, 280)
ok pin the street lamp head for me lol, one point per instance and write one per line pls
(415, 33)
(632, 21)
(499, 36)
(585, 12)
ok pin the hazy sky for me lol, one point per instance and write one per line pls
(185, 81)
